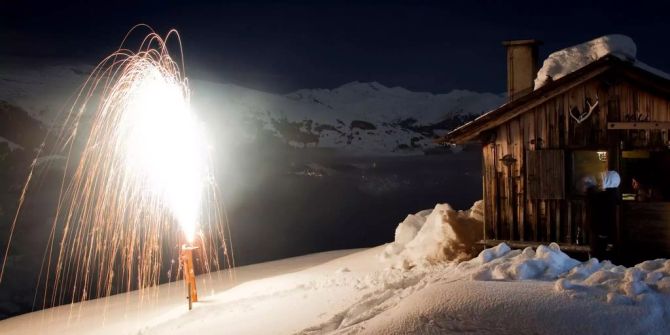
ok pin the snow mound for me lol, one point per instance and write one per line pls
(642, 284)
(482, 295)
(568, 60)
(501, 263)
(615, 284)
(432, 236)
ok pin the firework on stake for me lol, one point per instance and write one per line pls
(138, 181)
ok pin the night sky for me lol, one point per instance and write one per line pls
(280, 47)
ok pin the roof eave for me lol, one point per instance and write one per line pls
(511, 109)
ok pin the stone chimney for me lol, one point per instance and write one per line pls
(522, 66)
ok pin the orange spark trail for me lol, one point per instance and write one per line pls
(138, 181)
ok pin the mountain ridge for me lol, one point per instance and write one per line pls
(356, 117)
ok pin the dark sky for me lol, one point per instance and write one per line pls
(282, 46)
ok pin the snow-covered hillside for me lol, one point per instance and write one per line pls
(355, 117)
(500, 291)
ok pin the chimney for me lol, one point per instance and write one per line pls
(522, 66)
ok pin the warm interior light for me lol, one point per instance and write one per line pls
(602, 156)
(163, 143)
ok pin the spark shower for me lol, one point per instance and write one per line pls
(137, 183)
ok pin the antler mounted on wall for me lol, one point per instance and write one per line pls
(581, 116)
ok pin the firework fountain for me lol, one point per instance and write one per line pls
(138, 187)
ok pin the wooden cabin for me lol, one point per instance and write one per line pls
(611, 114)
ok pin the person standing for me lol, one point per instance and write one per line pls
(604, 200)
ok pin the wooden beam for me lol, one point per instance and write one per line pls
(638, 125)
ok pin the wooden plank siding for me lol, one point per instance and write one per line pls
(510, 213)
(545, 175)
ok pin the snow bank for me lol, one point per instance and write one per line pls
(605, 281)
(646, 283)
(568, 60)
(501, 263)
(440, 234)
(504, 291)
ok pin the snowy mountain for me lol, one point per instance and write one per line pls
(356, 117)
(383, 119)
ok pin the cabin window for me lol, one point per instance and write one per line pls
(545, 174)
(587, 168)
(644, 175)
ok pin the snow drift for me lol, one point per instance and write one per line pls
(440, 234)
(545, 262)
(646, 283)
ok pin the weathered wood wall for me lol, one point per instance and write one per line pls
(510, 214)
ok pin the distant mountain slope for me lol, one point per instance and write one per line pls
(356, 117)
(365, 118)
(379, 103)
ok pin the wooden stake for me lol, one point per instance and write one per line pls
(189, 274)
(190, 301)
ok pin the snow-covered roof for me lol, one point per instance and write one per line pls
(562, 66)
(568, 60)
(571, 59)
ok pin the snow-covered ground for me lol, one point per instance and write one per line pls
(500, 291)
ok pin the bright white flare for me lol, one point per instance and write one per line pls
(136, 182)
(163, 143)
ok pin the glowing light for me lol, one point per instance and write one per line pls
(137, 181)
(602, 156)
(163, 143)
